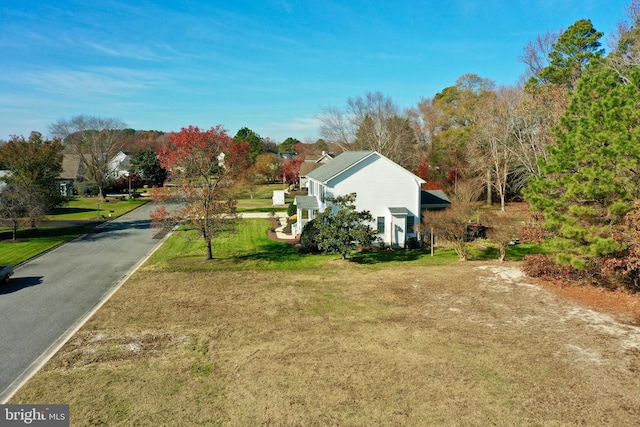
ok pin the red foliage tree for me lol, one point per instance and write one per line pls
(291, 171)
(205, 166)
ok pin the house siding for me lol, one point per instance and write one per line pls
(379, 184)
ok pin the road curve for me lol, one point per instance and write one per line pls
(50, 296)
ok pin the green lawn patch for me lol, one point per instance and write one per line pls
(247, 247)
(30, 243)
(94, 208)
(250, 248)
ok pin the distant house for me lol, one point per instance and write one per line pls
(72, 173)
(3, 173)
(310, 165)
(119, 165)
(287, 155)
(389, 192)
(73, 170)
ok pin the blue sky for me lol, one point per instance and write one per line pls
(267, 65)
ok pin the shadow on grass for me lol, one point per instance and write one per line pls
(514, 252)
(274, 252)
(68, 211)
(52, 232)
(19, 283)
(386, 256)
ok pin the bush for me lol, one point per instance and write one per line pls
(309, 238)
(413, 243)
(533, 231)
(545, 267)
(292, 209)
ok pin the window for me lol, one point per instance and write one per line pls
(380, 224)
(410, 223)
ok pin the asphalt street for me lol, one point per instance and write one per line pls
(50, 295)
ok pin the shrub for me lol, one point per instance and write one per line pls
(546, 267)
(413, 243)
(533, 231)
(309, 238)
(292, 209)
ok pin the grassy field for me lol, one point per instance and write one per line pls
(404, 339)
(90, 209)
(262, 200)
(66, 223)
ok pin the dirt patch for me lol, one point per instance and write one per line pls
(462, 344)
(620, 303)
(19, 240)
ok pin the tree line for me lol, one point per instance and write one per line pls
(565, 139)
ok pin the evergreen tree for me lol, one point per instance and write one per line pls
(286, 146)
(591, 174)
(571, 54)
(339, 230)
(256, 142)
(146, 163)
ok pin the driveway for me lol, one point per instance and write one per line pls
(49, 297)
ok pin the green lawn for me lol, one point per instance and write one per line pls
(34, 242)
(249, 248)
(262, 200)
(30, 243)
(94, 208)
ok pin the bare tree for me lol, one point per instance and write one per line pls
(502, 230)
(426, 120)
(451, 225)
(372, 122)
(537, 113)
(95, 140)
(493, 139)
(535, 54)
(337, 127)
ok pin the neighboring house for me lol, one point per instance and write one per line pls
(72, 173)
(310, 165)
(433, 200)
(119, 165)
(389, 192)
(3, 173)
(287, 155)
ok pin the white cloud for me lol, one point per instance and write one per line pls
(110, 81)
(296, 124)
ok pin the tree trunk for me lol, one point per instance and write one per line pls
(15, 230)
(489, 202)
(209, 250)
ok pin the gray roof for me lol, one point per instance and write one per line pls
(341, 163)
(306, 202)
(399, 211)
(434, 199)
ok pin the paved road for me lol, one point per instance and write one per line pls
(48, 296)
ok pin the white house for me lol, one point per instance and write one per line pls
(389, 192)
(119, 165)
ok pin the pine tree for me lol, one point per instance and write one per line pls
(591, 174)
(572, 53)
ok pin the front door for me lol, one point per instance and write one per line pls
(399, 230)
